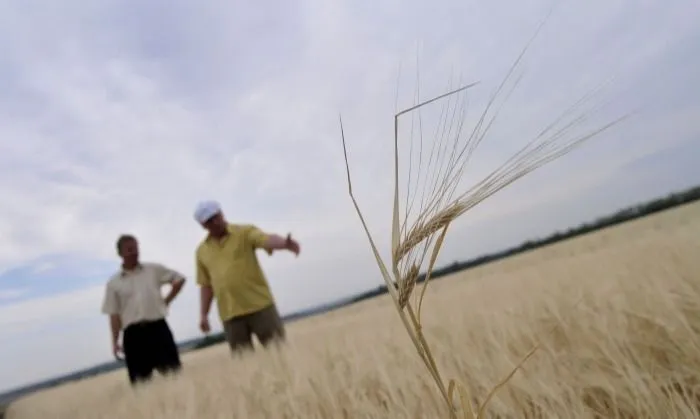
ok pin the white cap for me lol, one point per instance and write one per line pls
(205, 210)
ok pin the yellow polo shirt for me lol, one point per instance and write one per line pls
(231, 268)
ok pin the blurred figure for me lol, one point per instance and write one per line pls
(228, 270)
(134, 303)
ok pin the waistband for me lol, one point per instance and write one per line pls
(144, 323)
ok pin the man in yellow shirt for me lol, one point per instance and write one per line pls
(228, 270)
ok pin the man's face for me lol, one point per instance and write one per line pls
(129, 250)
(216, 225)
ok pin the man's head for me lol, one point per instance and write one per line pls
(208, 214)
(128, 249)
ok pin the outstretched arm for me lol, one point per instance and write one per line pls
(276, 242)
(271, 242)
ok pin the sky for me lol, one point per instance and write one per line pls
(120, 116)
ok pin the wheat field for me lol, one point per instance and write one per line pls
(617, 313)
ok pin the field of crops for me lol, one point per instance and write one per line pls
(617, 312)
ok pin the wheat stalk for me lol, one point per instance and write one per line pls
(441, 206)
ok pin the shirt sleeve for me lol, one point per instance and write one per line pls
(203, 278)
(110, 303)
(255, 236)
(165, 275)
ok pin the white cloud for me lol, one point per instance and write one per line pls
(12, 293)
(120, 120)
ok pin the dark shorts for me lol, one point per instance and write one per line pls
(265, 324)
(150, 346)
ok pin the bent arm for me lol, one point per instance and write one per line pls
(166, 275)
(176, 280)
(175, 288)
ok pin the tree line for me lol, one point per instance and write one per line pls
(624, 215)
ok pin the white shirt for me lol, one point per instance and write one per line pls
(135, 295)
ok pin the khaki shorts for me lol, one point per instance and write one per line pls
(265, 324)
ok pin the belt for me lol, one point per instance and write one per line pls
(144, 323)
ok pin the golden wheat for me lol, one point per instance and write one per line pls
(630, 349)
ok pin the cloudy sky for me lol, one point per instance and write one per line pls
(119, 116)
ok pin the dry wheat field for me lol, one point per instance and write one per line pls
(617, 314)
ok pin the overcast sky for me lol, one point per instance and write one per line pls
(118, 117)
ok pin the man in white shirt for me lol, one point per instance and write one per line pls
(135, 305)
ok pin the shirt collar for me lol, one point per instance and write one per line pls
(125, 272)
(229, 230)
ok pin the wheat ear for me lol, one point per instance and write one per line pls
(411, 242)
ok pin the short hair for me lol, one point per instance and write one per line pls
(124, 238)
